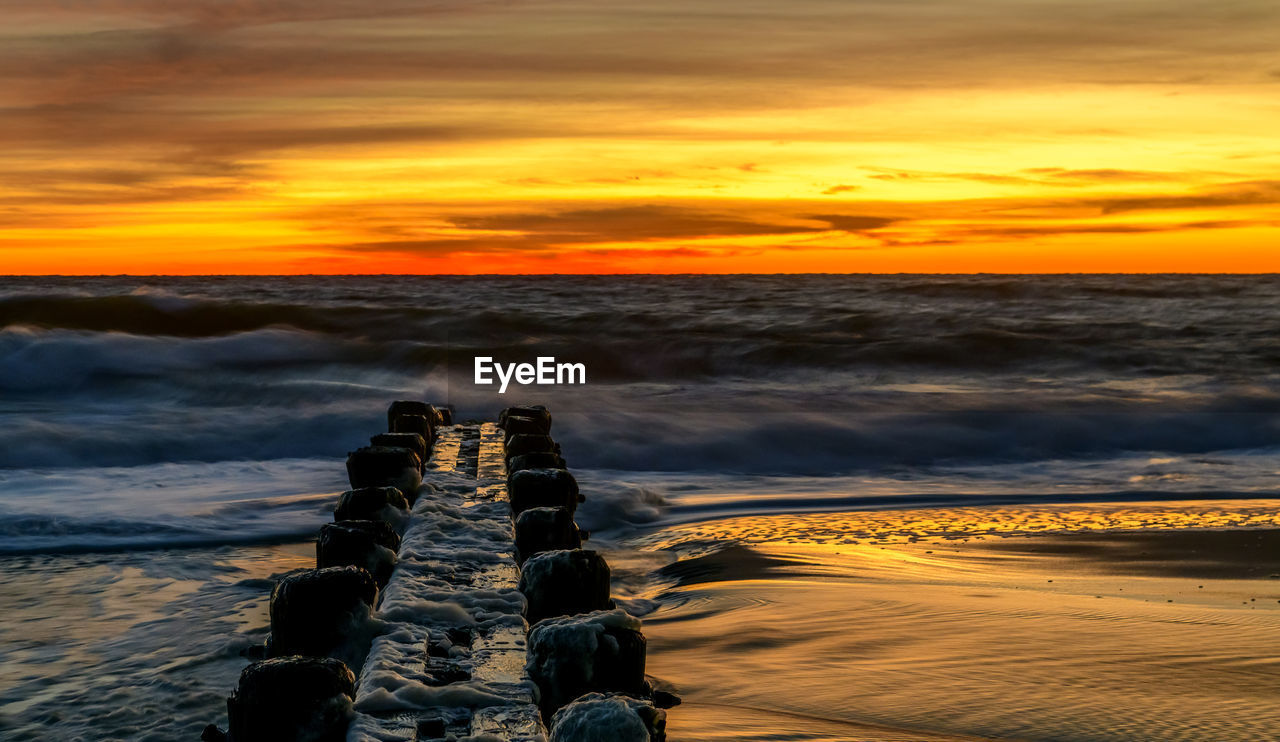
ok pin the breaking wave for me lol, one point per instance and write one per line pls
(829, 374)
(629, 329)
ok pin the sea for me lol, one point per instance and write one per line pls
(169, 445)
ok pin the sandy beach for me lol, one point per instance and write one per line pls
(1083, 635)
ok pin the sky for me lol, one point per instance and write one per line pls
(597, 136)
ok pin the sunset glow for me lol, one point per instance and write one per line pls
(331, 136)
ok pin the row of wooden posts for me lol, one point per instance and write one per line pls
(585, 658)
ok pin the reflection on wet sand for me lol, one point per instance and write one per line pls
(1124, 624)
(964, 523)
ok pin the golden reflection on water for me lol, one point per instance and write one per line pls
(959, 523)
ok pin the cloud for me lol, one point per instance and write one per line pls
(426, 230)
(222, 14)
(586, 231)
(1248, 193)
(1102, 175)
(1051, 176)
(1050, 230)
(589, 230)
(83, 74)
(537, 127)
(920, 176)
(443, 247)
(854, 222)
(201, 49)
(662, 252)
(628, 223)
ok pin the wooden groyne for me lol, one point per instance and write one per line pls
(454, 540)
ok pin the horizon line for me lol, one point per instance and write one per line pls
(627, 274)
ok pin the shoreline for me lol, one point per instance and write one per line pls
(1104, 576)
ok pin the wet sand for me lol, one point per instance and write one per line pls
(1237, 554)
(1145, 634)
(136, 646)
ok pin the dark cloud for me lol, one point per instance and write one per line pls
(660, 252)
(854, 222)
(585, 230)
(203, 48)
(1037, 176)
(194, 145)
(922, 176)
(524, 247)
(444, 247)
(628, 223)
(400, 227)
(1249, 193)
(1050, 230)
(1103, 175)
(226, 14)
(71, 195)
(115, 183)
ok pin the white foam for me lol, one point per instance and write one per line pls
(562, 651)
(456, 572)
(617, 619)
(390, 692)
(598, 717)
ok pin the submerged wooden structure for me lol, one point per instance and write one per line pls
(415, 624)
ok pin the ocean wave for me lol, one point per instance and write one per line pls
(808, 442)
(167, 505)
(727, 373)
(711, 426)
(32, 360)
(29, 534)
(652, 328)
(1042, 287)
(234, 523)
(150, 314)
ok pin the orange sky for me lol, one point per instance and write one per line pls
(477, 136)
